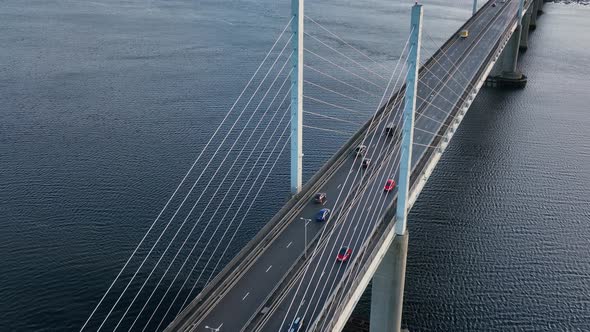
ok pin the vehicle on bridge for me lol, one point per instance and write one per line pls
(366, 163)
(323, 215)
(320, 198)
(392, 130)
(361, 150)
(464, 33)
(344, 254)
(296, 325)
(389, 185)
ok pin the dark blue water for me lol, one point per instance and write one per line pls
(104, 106)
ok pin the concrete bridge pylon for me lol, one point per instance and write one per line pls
(387, 296)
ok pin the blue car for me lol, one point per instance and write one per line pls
(322, 215)
(296, 325)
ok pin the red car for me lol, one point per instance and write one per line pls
(344, 254)
(389, 185)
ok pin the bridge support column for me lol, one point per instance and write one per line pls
(524, 35)
(474, 7)
(387, 293)
(297, 96)
(388, 282)
(534, 14)
(505, 73)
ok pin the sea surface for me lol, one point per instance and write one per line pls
(106, 104)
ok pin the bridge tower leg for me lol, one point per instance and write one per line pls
(388, 281)
(474, 7)
(297, 96)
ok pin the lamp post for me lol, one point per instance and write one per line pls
(305, 236)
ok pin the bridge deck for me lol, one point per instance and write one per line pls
(275, 276)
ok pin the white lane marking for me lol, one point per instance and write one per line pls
(339, 186)
(213, 328)
(268, 268)
(288, 245)
(245, 296)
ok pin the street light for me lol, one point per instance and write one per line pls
(306, 222)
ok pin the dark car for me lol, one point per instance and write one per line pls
(320, 198)
(344, 254)
(392, 130)
(360, 150)
(296, 325)
(322, 215)
(366, 162)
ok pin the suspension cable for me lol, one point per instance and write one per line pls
(338, 93)
(344, 69)
(338, 80)
(344, 42)
(184, 178)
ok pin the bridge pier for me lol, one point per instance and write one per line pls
(524, 36)
(535, 8)
(505, 73)
(387, 293)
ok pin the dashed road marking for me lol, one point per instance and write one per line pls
(245, 296)
(288, 245)
(268, 268)
(339, 186)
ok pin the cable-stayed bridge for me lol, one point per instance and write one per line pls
(289, 271)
